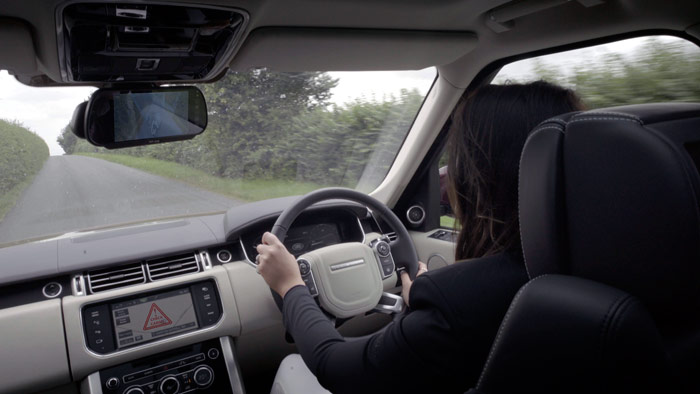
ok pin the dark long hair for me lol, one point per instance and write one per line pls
(488, 131)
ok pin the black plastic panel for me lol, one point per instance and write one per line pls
(146, 42)
(98, 325)
(181, 364)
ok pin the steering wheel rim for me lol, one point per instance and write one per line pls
(403, 248)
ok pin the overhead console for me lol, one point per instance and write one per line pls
(132, 42)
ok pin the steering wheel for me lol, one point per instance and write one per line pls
(348, 278)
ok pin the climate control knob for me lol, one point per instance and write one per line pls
(203, 376)
(134, 390)
(169, 385)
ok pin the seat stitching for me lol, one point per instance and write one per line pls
(594, 112)
(502, 328)
(583, 119)
(520, 223)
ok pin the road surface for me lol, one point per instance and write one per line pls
(77, 192)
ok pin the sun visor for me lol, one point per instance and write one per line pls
(320, 49)
(17, 47)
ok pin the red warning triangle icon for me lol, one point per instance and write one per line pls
(156, 318)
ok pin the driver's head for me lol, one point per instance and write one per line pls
(488, 132)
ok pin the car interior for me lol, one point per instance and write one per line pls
(608, 202)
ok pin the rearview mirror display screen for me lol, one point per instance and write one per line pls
(153, 115)
(144, 319)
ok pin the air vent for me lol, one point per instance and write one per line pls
(111, 278)
(167, 267)
(392, 236)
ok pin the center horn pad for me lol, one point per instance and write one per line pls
(347, 278)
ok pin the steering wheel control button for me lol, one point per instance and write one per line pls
(169, 385)
(112, 383)
(383, 249)
(52, 290)
(203, 376)
(213, 353)
(304, 267)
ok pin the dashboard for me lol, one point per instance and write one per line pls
(161, 307)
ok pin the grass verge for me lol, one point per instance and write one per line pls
(241, 189)
(8, 199)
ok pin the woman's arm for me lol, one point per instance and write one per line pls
(413, 354)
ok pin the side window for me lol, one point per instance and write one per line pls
(632, 71)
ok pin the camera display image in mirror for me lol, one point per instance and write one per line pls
(139, 116)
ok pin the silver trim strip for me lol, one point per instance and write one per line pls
(77, 284)
(91, 384)
(206, 260)
(389, 309)
(347, 264)
(245, 254)
(234, 372)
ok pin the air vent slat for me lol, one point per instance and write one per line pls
(107, 279)
(172, 266)
(116, 276)
(392, 236)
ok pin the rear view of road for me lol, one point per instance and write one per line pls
(77, 192)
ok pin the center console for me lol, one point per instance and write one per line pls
(206, 367)
(131, 321)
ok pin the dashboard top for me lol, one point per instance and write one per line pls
(76, 252)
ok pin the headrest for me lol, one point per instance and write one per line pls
(611, 195)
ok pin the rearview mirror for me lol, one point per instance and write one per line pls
(118, 118)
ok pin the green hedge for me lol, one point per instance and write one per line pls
(22, 154)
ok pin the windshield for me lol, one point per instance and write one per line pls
(270, 134)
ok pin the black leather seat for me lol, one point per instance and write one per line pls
(610, 227)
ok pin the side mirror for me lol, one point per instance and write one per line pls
(118, 118)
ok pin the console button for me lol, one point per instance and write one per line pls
(203, 376)
(112, 383)
(98, 329)
(213, 353)
(169, 385)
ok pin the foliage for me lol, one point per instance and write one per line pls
(240, 189)
(658, 71)
(22, 154)
(266, 125)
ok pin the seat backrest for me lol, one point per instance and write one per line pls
(611, 195)
(609, 207)
(563, 334)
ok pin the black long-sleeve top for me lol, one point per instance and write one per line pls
(439, 346)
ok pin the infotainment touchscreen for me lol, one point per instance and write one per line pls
(144, 319)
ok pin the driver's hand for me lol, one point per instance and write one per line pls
(277, 266)
(406, 281)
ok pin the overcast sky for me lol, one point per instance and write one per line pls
(47, 110)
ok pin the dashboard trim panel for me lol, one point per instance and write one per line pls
(83, 360)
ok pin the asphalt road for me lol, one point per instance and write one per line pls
(76, 192)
